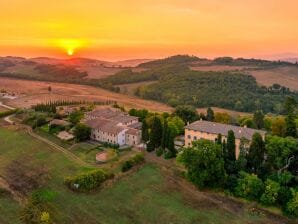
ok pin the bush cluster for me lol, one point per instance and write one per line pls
(137, 159)
(87, 181)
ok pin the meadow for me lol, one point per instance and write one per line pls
(151, 194)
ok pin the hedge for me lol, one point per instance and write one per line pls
(137, 159)
(87, 181)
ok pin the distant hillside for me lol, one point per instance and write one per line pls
(174, 60)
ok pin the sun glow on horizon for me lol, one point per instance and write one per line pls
(70, 46)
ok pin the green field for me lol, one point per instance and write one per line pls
(146, 196)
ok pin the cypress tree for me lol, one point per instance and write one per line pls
(231, 146)
(145, 133)
(210, 114)
(155, 135)
(256, 152)
(290, 106)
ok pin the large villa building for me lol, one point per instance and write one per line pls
(113, 126)
(210, 130)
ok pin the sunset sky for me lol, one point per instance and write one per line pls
(123, 29)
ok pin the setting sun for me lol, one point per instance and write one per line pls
(70, 46)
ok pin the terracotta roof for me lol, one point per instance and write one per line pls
(132, 131)
(217, 128)
(137, 125)
(114, 115)
(105, 125)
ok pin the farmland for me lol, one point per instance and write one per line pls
(150, 195)
(36, 92)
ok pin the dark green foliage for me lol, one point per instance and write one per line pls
(249, 186)
(221, 89)
(87, 181)
(142, 114)
(76, 116)
(145, 131)
(291, 107)
(187, 113)
(258, 119)
(82, 132)
(269, 197)
(256, 152)
(159, 151)
(111, 145)
(136, 160)
(231, 147)
(156, 131)
(219, 139)
(210, 114)
(292, 205)
(204, 164)
(173, 60)
(279, 150)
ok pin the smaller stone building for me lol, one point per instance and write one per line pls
(210, 130)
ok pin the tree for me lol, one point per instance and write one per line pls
(145, 131)
(292, 205)
(256, 152)
(242, 160)
(231, 146)
(258, 119)
(249, 186)
(186, 113)
(82, 132)
(210, 114)
(76, 116)
(219, 139)
(269, 197)
(156, 131)
(224, 118)
(290, 107)
(279, 150)
(178, 122)
(204, 163)
(278, 126)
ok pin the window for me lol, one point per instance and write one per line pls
(195, 138)
(188, 136)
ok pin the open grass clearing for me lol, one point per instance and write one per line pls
(149, 195)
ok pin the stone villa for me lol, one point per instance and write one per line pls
(113, 126)
(210, 130)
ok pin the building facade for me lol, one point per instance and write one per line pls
(210, 131)
(113, 126)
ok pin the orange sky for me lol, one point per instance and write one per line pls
(119, 29)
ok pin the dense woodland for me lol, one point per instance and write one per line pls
(176, 84)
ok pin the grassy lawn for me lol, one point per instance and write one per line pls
(86, 152)
(146, 196)
(8, 209)
(43, 132)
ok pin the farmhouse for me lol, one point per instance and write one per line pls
(210, 130)
(114, 126)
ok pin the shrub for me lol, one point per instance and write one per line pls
(37, 210)
(159, 152)
(269, 197)
(87, 181)
(137, 159)
(249, 186)
(292, 205)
